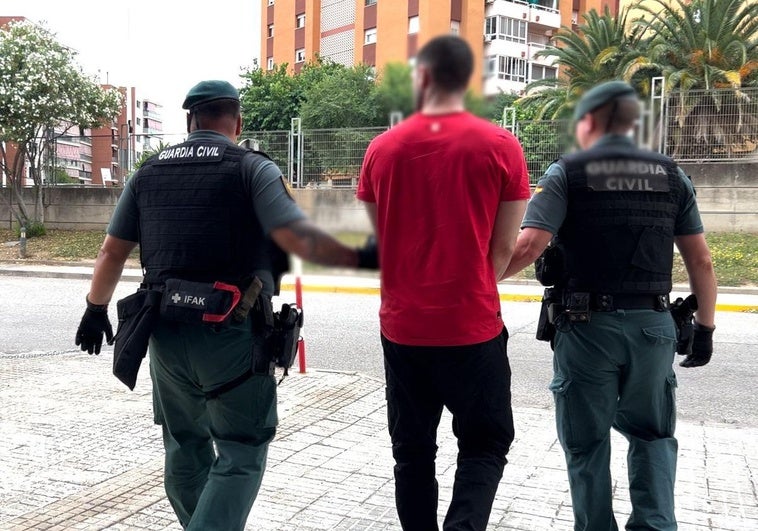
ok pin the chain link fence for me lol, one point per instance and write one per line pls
(711, 125)
(696, 126)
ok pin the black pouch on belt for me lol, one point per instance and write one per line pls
(199, 302)
(137, 315)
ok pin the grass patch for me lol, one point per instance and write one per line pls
(735, 255)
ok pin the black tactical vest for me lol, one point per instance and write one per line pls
(196, 218)
(618, 234)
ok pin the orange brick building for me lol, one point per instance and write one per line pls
(504, 33)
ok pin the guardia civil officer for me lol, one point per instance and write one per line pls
(617, 211)
(208, 215)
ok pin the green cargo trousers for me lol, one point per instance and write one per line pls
(616, 371)
(215, 449)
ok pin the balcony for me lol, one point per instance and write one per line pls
(499, 45)
(535, 47)
(544, 15)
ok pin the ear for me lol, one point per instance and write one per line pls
(238, 130)
(592, 123)
(189, 122)
(424, 77)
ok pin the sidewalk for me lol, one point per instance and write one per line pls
(79, 450)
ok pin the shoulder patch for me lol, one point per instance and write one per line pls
(287, 187)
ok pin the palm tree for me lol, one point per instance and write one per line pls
(597, 52)
(707, 52)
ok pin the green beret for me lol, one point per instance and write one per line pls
(206, 91)
(602, 94)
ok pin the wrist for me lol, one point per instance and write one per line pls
(703, 328)
(95, 307)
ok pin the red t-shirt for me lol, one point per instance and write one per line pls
(437, 182)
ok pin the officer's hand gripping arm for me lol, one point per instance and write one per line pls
(368, 255)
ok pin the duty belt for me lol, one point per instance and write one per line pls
(605, 302)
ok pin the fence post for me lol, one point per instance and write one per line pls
(295, 158)
(509, 119)
(657, 92)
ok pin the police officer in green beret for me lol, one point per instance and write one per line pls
(209, 215)
(616, 212)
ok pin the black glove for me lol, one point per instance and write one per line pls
(94, 322)
(702, 346)
(682, 311)
(368, 255)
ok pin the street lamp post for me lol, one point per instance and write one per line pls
(126, 152)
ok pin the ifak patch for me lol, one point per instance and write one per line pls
(198, 302)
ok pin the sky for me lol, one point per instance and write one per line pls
(162, 47)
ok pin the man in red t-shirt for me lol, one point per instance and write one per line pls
(446, 192)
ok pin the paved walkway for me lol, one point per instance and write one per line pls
(79, 451)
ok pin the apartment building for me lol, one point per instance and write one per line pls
(505, 34)
(137, 129)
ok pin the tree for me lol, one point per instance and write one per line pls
(44, 94)
(599, 51)
(707, 52)
(342, 97)
(394, 90)
(269, 100)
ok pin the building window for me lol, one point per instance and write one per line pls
(455, 27)
(512, 29)
(369, 36)
(512, 69)
(490, 64)
(270, 63)
(270, 31)
(413, 25)
(505, 28)
(543, 72)
(300, 21)
(300, 55)
(370, 2)
(490, 27)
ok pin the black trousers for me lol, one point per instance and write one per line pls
(474, 383)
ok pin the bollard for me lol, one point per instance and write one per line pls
(297, 269)
(22, 243)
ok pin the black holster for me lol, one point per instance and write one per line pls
(551, 306)
(137, 316)
(285, 335)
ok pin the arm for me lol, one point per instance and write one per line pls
(372, 214)
(108, 267)
(304, 239)
(507, 221)
(529, 246)
(697, 259)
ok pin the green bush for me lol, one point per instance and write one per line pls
(33, 229)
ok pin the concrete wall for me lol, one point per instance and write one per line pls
(727, 197)
(90, 208)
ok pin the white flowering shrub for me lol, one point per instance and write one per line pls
(42, 90)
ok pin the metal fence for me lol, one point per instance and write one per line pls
(316, 158)
(711, 125)
(705, 126)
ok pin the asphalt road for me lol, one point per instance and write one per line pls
(39, 316)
